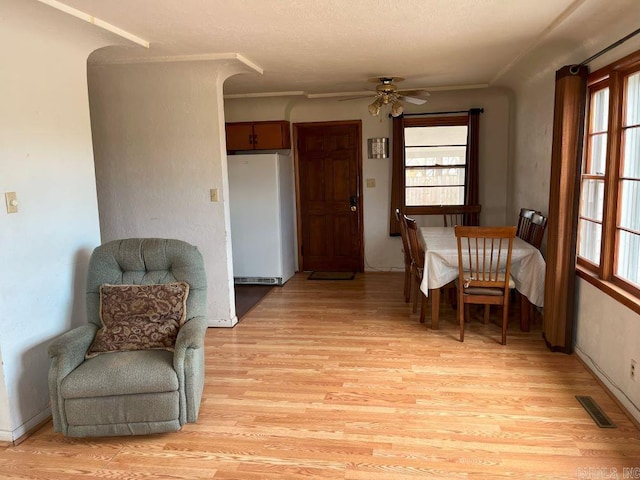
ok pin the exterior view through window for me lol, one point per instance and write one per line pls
(435, 164)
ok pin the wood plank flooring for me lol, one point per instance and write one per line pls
(337, 380)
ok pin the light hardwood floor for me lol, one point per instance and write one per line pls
(335, 379)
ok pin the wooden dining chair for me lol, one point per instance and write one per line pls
(531, 227)
(484, 268)
(524, 223)
(417, 262)
(536, 229)
(407, 256)
(461, 215)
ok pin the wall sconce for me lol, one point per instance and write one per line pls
(378, 147)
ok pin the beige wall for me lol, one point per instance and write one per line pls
(383, 252)
(607, 334)
(158, 131)
(46, 157)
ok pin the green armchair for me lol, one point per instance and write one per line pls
(132, 391)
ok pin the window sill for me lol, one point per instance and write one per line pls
(610, 289)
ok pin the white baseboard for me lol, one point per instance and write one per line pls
(228, 323)
(25, 428)
(6, 436)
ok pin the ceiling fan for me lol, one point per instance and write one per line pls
(387, 92)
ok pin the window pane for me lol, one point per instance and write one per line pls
(631, 159)
(630, 205)
(633, 99)
(427, 177)
(599, 111)
(456, 135)
(628, 256)
(434, 196)
(592, 199)
(598, 154)
(419, 156)
(589, 244)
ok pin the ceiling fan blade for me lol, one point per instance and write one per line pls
(415, 93)
(414, 100)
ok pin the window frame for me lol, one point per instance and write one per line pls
(436, 121)
(603, 276)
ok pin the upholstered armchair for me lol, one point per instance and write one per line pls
(137, 366)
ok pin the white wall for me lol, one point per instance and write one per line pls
(383, 252)
(46, 158)
(158, 131)
(607, 334)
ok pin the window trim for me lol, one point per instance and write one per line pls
(609, 288)
(603, 276)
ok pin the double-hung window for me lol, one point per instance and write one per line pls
(435, 163)
(435, 152)
(609, 218)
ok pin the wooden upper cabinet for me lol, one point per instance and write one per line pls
(258, 136)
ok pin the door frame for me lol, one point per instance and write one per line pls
(359, 182)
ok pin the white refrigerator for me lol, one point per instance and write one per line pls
(263, 223)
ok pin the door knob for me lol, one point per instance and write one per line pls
(353, 203)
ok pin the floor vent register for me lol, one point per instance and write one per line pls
(595, 411)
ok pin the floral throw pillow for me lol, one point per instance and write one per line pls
(140, 317)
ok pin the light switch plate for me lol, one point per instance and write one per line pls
(12, 202)
(214, 195)
(371, 182)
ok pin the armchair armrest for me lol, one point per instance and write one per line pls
(68, 349)
(188, 362)
(191, 335)
(67, 352)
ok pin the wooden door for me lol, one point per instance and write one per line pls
(330, 187)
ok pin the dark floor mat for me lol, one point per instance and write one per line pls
(248, 296)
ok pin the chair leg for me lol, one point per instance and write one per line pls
(487, 311)
(416, 293)
(407, 283)
(461, 310)
(505, 321)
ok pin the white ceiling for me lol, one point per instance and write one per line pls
(333, 46)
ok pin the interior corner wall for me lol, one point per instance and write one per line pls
(46, 157)
(382, 252)
(158, 138)
(606, 333)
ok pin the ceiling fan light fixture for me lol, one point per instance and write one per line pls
(397, 108)
(374, 108)
(387, 93)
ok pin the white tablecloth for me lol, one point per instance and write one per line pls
(441, 263)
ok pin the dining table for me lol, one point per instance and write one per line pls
(441, 268)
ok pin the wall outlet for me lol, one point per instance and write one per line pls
(633, 369)
(12, 202)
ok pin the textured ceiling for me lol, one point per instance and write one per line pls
(332, 46)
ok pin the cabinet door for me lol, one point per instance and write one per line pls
(271, 135)
(239, 136)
